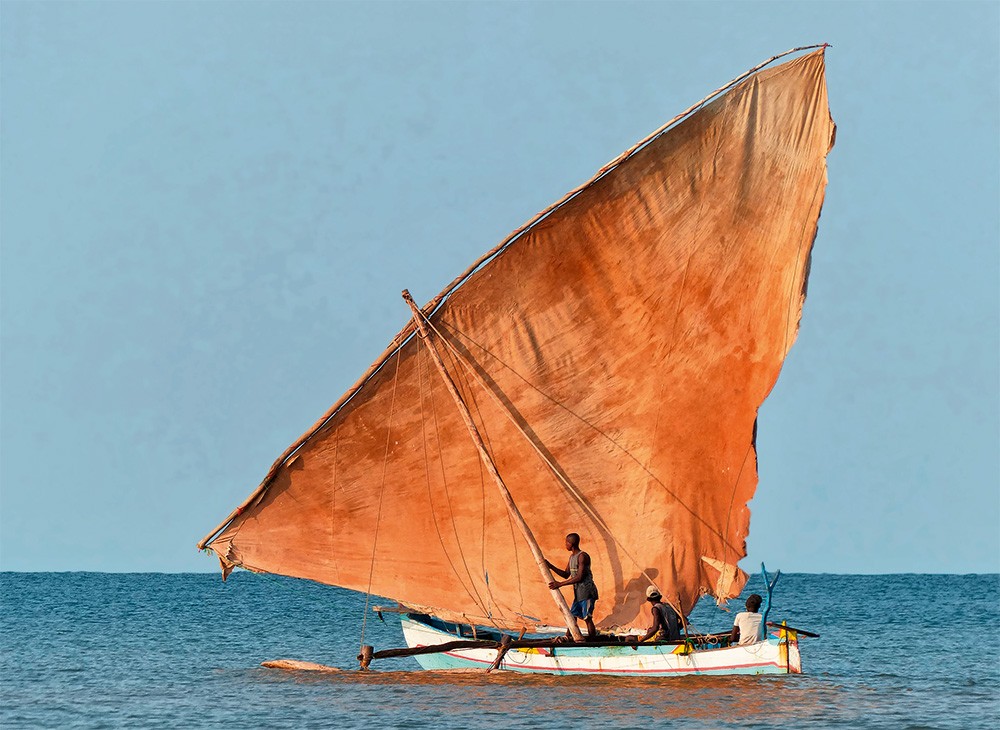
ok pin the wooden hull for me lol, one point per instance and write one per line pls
(771, 656)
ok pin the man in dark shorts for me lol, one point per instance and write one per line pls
(578, 575)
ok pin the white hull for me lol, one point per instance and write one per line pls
(772, 656)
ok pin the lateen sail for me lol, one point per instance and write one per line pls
(627, 340)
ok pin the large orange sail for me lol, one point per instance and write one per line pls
(613, 356)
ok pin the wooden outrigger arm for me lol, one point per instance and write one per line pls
(785, 627)
(508, 642)
(515, 513)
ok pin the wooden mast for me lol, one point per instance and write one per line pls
(543, 566)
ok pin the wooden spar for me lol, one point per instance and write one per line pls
(365, 657)
(471, 369)
(543, 565)
(433, 649)
(680, 614)
(511, 642)
(505, 643)
(429, 308)
(810, 634)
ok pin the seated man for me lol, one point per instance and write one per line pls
(746, 627)
(666, 622)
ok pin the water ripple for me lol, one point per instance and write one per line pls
(97, 650)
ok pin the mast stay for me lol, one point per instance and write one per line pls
(515, 513)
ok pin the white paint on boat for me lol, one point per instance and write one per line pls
(774, 655)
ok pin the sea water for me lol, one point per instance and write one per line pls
(92, 650)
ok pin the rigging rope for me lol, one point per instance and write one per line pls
(333, 502)
(462, 384)
(555, 470)
(381, 494)
(591, 426)
(432, 305)
(476, 599)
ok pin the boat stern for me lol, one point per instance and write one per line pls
(788, 651)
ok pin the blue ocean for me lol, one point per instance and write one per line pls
(100, 650)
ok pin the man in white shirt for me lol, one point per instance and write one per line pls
(746, 627)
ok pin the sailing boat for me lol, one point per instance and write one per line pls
(599, 371)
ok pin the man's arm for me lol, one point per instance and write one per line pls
(557, 571)
(655, 627)
(734, 636)
(583, 566)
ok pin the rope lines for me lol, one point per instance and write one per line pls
(462, 383)
(589, 425)
(476, 599)
(381, 495)
(408, 330)
(594, 515)
(333, 501)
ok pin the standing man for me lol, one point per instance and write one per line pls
(578, 575)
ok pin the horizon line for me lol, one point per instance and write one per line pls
(217, 572)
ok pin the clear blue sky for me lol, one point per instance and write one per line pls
(209, 210)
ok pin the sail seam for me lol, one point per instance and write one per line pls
(732, 500)
(333, 506)
(480, 603)
(470, 395)
(427, 473)
(587, 423)
(677, 306)
(381, 495)
(569, 486)
(807, 248)
(406, 333)
(432, 306)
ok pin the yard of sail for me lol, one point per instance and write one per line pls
(627, 339)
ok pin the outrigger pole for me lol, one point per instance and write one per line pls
(506, 643)
(543, 566)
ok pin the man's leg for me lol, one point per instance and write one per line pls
(591, 629)
(572, 611)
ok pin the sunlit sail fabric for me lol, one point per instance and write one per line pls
(627, 339)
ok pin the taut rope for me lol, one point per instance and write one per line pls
(381, 494)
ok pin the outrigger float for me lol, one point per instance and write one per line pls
(598, 371)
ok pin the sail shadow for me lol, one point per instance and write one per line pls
(633, 591)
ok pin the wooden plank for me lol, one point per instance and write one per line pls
(296, 666)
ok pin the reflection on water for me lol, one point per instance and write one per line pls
(788, 699)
